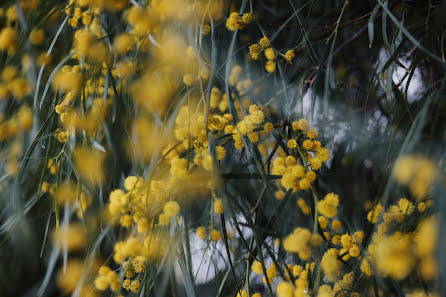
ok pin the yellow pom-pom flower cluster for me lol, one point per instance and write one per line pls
(142, 141)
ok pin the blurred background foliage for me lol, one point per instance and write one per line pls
(369, 75)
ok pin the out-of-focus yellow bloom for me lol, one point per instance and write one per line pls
(8, 39)
(89, 164)
(417, 172)
(72, 236)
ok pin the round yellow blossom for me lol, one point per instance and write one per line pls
(426, 237)
(86, 18)
(268, 127)
(312, 133)
(302, 124)
(139, 264)
(255, 55)
(67, 279)
(172, 208)
(292, 143)
(403, 169)
(37, 36)
(125, 220)
(279, 194)
(344, 254)
(298, 171)
(68, 81)
(306, 210)
(201, 232)
(326, 235)
(289, 55)
(354, 251)
(253, 137)
(325, 291)
(374, 214)
(290, 161)
(316, 163)
(347, 280)
(336, 225)
(421, 207)
(269, 53)
(43, 59)
(164, 219)
(358, 236)
(126, 284)
(101, 283)
(264, 42)
(8, 39)
(256, 116)
(270, 66)
(304, 184)
(72, 237)
(11, 14)
(229, 129)
(297, 242)
(417, 172)
(394, 257)
(45, 187)
(294, 125)
(271, 271)
(247, 18)
(323, 222)
(254, 51)
(204, 73)
(208, 163)
(103, 270)
(336, 239)
(429, 268)
(257, 267)
(8, 73)
(297, 269)
(221, 152)
(143, 223)
(365, 267)
(134, 286)
(62, 136)
(307, 144)
(331, 265)
(123, 43)
(285, 290)
(239, 144)
(317, 146)
(289, 181)
(206, 29)
(215, 97)
(133, 182)
(218, 206)
(323, 154)
(234, 22)
(406, 207)
(215, 235)
(125, 69)
(346, 241)
(311, 176)
(329, 205)
(242, 293)
(188, 79)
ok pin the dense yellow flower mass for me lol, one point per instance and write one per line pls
(416, 172)
(328, 206)
(143, 135)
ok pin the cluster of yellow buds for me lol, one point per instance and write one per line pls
(235, 21)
